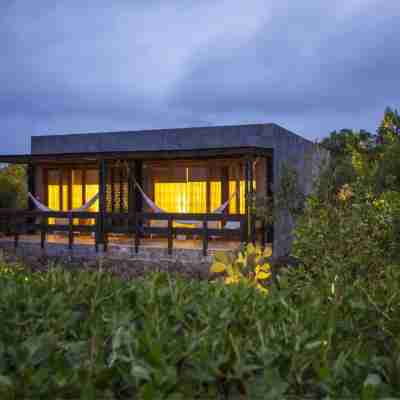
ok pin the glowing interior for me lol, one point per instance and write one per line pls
(59, 194)
(186, 197)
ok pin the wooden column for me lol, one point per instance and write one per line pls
(139, 180)
(133, 222)
(102, 201)
(135, 199)
(246, 196)
(225, 186)
(132, 187)
(31, 172)
(252, 215)
(237, 197)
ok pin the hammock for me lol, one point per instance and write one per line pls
(44, 208)
(159, 210)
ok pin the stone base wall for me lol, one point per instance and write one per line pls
(118, 261)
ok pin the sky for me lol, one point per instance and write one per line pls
(312, 66)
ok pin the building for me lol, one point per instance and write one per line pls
(188, 171)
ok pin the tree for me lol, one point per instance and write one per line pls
(389, 128)
(13, 188)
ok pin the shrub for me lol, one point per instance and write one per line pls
(356, 234)
(70, 335)
(248, 266)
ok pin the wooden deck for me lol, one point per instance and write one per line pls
(123, 240)
(100, 230)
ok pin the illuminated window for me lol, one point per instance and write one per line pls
(232, 202)
(186, 197)
(53, 191)
(92, 187)
(59, 191)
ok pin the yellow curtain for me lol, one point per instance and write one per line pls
(232, 202)
(171, 197)
(215, 195)
(53, 191)
(186, 197)
(92, 187)
(77, 191)
(196, 197)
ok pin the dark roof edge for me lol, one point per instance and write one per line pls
(144, 154)
(161, 130)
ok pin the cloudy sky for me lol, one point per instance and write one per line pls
(84, 66)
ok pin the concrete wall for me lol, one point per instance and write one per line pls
(307, 159)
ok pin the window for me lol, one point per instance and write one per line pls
(69, 188)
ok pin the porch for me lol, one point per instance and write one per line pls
(181, 200)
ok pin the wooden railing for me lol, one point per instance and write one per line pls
(137, 225)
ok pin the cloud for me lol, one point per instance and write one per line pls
(101, 65)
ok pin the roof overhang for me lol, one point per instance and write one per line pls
(133, 155)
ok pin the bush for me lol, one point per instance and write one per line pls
(358, 234)
(13, 187)
(71, 335)
(248, 266)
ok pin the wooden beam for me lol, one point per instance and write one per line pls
(237, 197)
(225, 186)
(102, 200)
(246, 196)
(251, 203)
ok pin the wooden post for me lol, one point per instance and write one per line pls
(43, 224)
(31, 172)
(205, 236)
(70, 232)
(102, 201)
(238, 175)
(132, 202)
(251, 203)
(225, 187)
(246, 197)
(121, 188)
(170, 236)
(96, 239)
(137, 233)
(243, 228)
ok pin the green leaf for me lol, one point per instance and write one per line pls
(5, 381)
(218, 267)
(140, 372)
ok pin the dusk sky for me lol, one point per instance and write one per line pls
(87, 66)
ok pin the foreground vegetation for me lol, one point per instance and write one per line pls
(90, 335)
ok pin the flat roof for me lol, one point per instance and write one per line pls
(197, 138)
(136, 155)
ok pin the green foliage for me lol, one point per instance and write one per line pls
(69, 335)
(13, 190)
(389, 129)
(248, 267)
(358, 234)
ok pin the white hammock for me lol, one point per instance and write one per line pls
(159, 210)
(44, 208)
